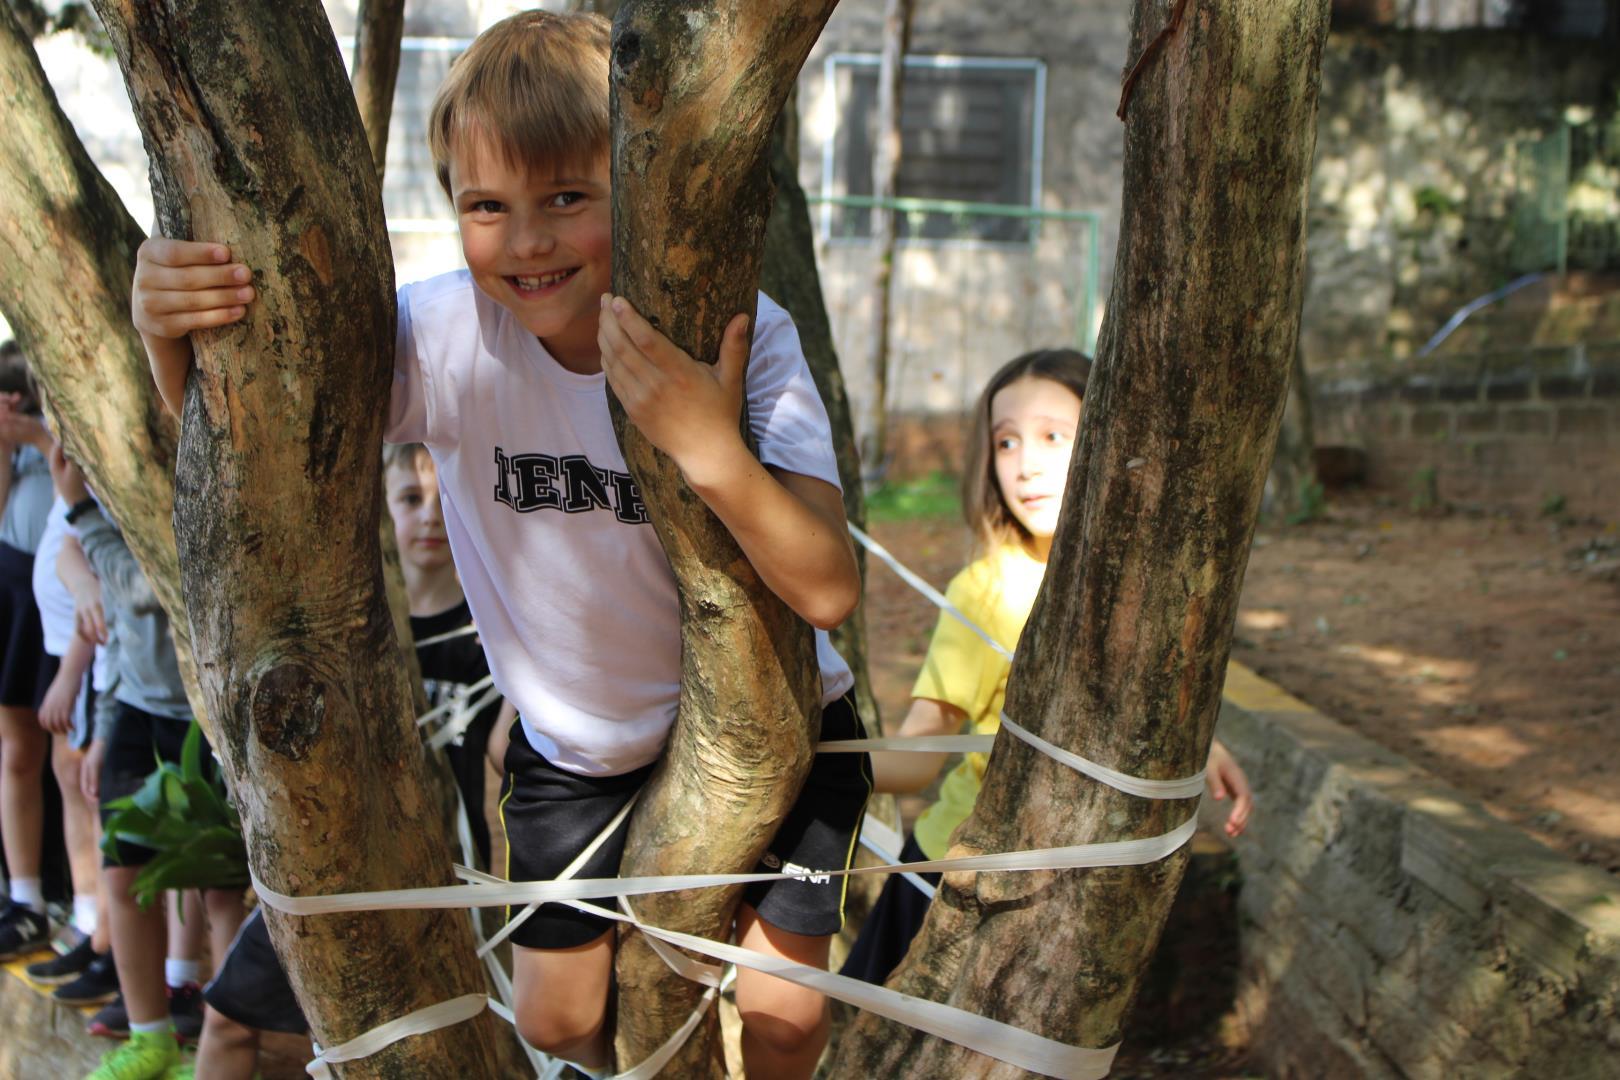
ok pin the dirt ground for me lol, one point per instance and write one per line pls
(1485, 648)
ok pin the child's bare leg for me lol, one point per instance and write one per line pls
(23, 746)
(79, 820)
(227, 1050)
(784, 1025)
(226, 910)
(138, 940)
(561, 999)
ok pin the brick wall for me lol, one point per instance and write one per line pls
(1500, 429)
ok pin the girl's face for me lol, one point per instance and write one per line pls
(1033, 422)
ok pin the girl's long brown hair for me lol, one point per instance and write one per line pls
(983, 505)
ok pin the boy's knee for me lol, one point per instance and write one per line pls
(790, 1024)
(561, 1026)
(221, 1031)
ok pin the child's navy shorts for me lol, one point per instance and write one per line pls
(138, 742)
(551, 815)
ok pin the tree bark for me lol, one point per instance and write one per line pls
(379, 26)
(696, 88)
(790, 277)
(1123, 657)
(885, 185)
(274, 513)
(67, 258)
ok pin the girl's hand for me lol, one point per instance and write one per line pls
(679, 404)
(66, 476)
(182, 285)
(89, 618)
(90, 771)
(1226, 777)
(56, 711)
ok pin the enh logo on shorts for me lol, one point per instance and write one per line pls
(795, 871)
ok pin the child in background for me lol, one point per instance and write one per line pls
(25, 669)
(250, 993)
(1024, 427)
(153, 717)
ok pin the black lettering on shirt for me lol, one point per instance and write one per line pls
(529, 482)
(536, 474)
(586, 485)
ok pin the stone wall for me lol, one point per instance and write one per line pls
(1392, 928)
(1536, 427)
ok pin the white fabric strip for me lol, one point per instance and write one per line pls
(448, 635)
(420, 1022)
(885, 843)
(916, 744)
(461, 718)
(1114, 853)
(1188, 788)
(989, 1037)
(446, 706)
(926, 589)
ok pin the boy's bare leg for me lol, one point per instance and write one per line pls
(226, 910)
(79, 818)
(227, 1050)
(561, 1000)
(139, 939)
(186, 928)
(23, 745)
(784, 1025)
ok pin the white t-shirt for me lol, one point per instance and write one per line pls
(574, 599)
(50, 595)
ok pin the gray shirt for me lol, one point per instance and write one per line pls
(29, 502)
(147, 666)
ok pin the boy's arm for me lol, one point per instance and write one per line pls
(790, 526)
(907, 772)
(121, 576)
(181, 286)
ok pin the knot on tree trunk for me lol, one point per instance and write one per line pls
(287, 709)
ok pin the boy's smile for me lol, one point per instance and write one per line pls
(540, 246)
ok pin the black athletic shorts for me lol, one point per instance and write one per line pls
(24, 676)
(138, 741)
(251, 986)
(551, 815)
(891, 924)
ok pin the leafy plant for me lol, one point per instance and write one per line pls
(181, 813)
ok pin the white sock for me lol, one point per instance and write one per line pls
(179, 973)
(84, 914)
(156, 1027)
(25, 892)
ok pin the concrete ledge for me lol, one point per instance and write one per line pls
(39, 1039)
(1393, 928)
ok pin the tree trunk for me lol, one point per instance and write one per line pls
(275, 522)
(885, 185)
(67, 258)
(1296, 491)
(696, 88)
(790, 277)
(379, 26)
(1123, 657)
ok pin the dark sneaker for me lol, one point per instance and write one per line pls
(22, 931)
(112, 1022)
(65, 968)
(97, 985)
(186, 1008)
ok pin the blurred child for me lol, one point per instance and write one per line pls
(25, 669)
(1024, 428)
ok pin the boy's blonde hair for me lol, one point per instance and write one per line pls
(401, 454)
(535, 85)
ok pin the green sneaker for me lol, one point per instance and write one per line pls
(186, 1070)
(148, 1055)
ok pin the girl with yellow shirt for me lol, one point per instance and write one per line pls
(1024, 427)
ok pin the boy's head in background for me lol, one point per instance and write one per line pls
(16, 378)
(519, 133)
(411, 485)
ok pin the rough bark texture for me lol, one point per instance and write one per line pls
(790, 277)
(1123, 656)
(275, 516)
(67, 257)
(885, 185)
(379, 26)
(696, 90)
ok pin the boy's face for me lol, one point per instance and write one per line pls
(413, 503)
(538, 245)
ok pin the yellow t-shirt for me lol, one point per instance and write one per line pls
(996, 592)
